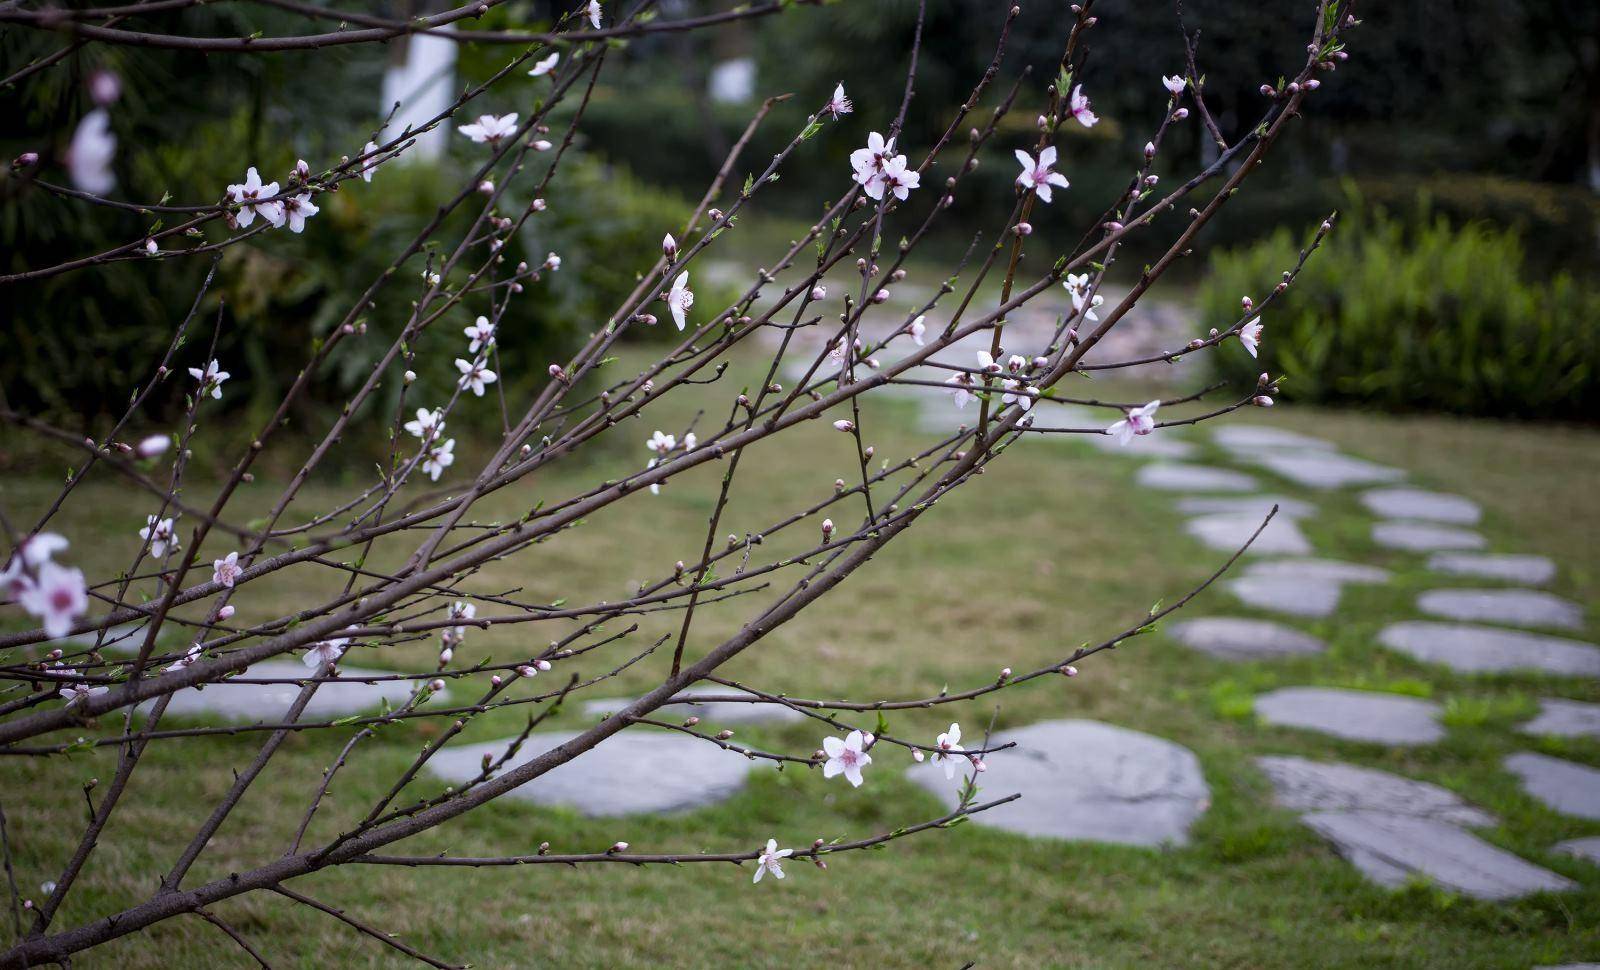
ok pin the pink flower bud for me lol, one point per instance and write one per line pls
(302, 170)
(496, 680)
(1180, 114)
(715, 215)
(690, 721)
(845, 425)
(917, 755)
(1070, 670)
(486, 187)
(618, 847)
(669, 248)
(25, 160)
(226, 613)
(1262, 401)
(557, 373)
(151, 247)
(1266, 91)
(527, 671)
(724, 735)
(436, 685)
(881, 296)
(1196, 343)
(827, 528)
(1313, 84)
(1022, 229)
(542, 145)
(1149, 149)
(1005, 673)
(445, 656)
(542, 664)
(537, 205)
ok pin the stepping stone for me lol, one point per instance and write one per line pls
(1586, 849)
(1325, 469)
(1513, 607)
(1317, 570)
(1420, 537)
(1252, 505)
(1144, 446)
(1393, 828)
(1565, 719)
(1392, 849)
(1254, 437)
(1231, 638)
(1301, 587)
(1482, 649)
(1416, 503)
(1175, 477)
(1227, 531)
(1296, 597)
(1529, 570)
(635, 771)
(725, 713)
(1357, 715)
(267, 703)
(1086, 780)
(1329, 786)
(1566, 786)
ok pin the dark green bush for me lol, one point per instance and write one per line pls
(1415, 314)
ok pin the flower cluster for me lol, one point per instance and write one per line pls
(878, 169)
(254, 198)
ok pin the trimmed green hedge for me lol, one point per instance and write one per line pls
(1415, 314)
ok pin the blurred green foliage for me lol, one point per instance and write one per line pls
(1414, 313)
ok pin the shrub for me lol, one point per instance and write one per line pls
(1415, 314)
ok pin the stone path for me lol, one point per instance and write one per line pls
(1086, 780)
(638, 770)
(1356, 715)
(1393, 828)
(1566, 786)
(1513, 607)
(1565, 719)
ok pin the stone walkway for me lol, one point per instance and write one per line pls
(1390, 828)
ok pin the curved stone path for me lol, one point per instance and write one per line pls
(1391, 828)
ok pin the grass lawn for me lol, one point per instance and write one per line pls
(1053, 547)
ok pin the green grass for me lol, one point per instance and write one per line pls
(1052, 548)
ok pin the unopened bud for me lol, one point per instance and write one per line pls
(1070, 670)
(527, 670)
(724, 735)
(617, 847)
(1262, 401)
(436, 685)
(669, 248)
(542, 145)
(690, 721)
(151, 247)
(917, 755)
(537, 205)
(486, 187)
(302, 170)
(1180, 114)
(881, 296)
(827, 529)
(819, 292)
(1022, 229)
(226, 612)
(845, 425)
(715, 215)
(557, 373)
(25, 160)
